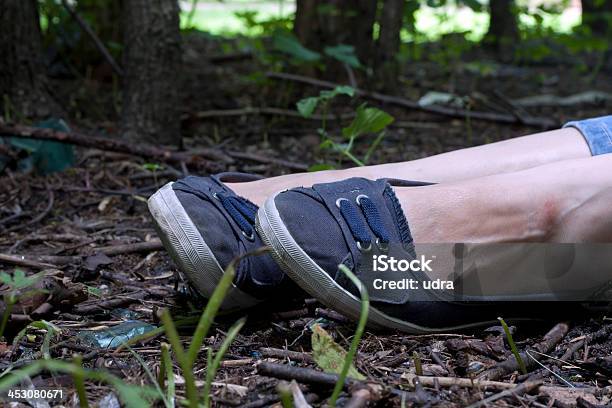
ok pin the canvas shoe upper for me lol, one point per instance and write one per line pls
(204, 225)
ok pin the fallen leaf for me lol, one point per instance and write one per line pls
(329, 355)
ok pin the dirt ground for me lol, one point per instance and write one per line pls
(89, 230)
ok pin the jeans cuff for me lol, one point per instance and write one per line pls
(597, 132)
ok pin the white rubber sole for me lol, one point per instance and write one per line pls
(313, 279)
(188, 249)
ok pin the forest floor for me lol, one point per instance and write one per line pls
(89, 230)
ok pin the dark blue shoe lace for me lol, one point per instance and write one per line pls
(242, 212)
(356, 223)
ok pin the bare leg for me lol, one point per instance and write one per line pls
(567, 201)
(501, 157)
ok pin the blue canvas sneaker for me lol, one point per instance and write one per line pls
(204, 225)
(360, 223)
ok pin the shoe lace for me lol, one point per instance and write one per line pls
(356, 224)
(242, 212)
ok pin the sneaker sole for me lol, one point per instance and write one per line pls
(313, 279)
(188, 249)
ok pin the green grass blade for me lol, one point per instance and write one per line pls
(515, 351)
(363, 318)
(284, 392)
(211, 370)
(52, 330)
(149, 374)
(9, 302)
(79, 381)
(183, 360)
(168, 372)
(373, 146)
(212, 307)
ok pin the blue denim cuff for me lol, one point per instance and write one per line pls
(597, 133)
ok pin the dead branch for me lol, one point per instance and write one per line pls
(447, 382)
(38, 218)
(303, 375)
(543, 123)
(153, 245)
(97, 42)
(113, 145)
(271, 111)
(141, 150)
(280, 353)
(22, 261)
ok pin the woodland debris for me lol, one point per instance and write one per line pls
(101, 306)
(569, 396)
(36, 219)
(359, 398)
(550, 340)
(521, 389)
(447, 382)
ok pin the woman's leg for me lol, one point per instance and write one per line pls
(566, 201)
(505, 156)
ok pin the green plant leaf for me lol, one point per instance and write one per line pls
(368, 120)
(6, 278)
(288, 44)
(343, 53)
(307, 106)
(321, 167)
(327, 144)
(339, 90)
(329, 355)
(152, 166)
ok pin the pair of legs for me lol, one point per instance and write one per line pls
(544, 187)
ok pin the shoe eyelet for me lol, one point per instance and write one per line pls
(338, 201)
(359, 197)
(364, 249)
(250, 237)
(383, 246)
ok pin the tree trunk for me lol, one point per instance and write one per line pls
(597, 15)
(358, 29)
(503, 31)
(152, 57)
(306, 24)
(23, 83)
(388, 44)
(390, 27)
(322, 23)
